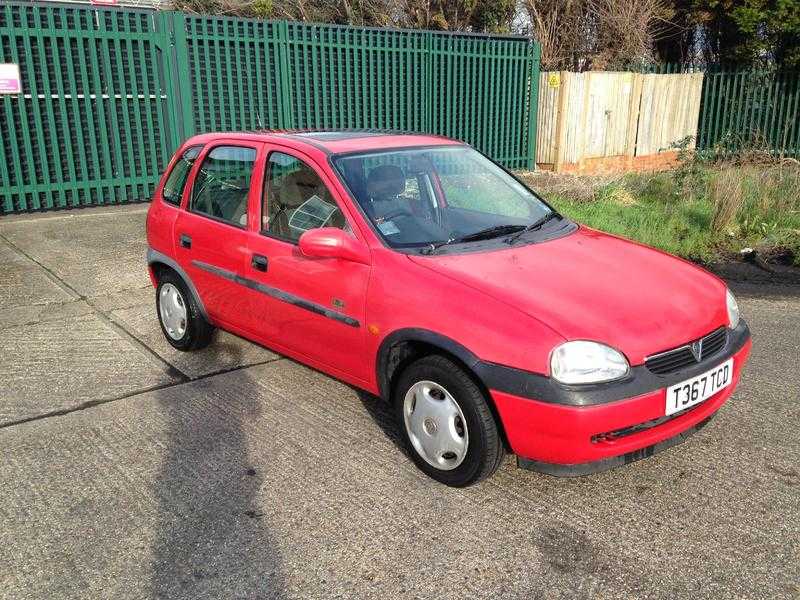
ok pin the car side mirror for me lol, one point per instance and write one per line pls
(332, 242)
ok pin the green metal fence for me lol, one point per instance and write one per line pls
(750, 110)
(108, 94)
(91, 126)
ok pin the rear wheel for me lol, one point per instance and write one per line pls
(181, 320)
(447, 423)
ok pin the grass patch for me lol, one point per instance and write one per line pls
(677, 229)
(704, 213)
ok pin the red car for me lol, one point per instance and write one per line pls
(415, 268)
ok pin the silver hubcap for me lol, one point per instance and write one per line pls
(435, 425)
(172, 309)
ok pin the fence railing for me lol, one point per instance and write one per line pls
(758, 110)
(107, 94)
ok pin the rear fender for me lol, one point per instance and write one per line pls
(156, 257)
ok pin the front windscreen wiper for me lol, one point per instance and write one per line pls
(483, 234)
(535, 225)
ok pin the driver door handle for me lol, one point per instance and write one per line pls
(259, 262)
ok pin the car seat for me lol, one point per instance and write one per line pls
(385, 183)
(295, 189)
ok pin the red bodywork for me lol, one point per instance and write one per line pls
(508, 307)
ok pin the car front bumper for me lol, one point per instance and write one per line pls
(572, 432)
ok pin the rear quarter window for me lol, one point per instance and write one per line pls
(223, 183)
(176, 181)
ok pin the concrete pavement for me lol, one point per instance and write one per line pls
(130, 470)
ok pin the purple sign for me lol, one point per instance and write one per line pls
(10, 82)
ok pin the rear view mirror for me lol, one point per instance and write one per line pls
(332, 242)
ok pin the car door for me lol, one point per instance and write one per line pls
(309, 306)
(211, 234)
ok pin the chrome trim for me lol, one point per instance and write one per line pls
(697, 349)
(660, 354)
(685, 346)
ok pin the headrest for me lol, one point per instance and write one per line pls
(385, 181)
(305, 177)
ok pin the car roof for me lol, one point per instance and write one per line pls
(333, 141)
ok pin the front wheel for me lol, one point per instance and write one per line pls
(447, 423)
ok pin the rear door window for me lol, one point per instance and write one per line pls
(173, 187)
(222, 184)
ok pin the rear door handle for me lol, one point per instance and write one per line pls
(259, 262)
(186, 241)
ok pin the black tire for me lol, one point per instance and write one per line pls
(198, 332)
(485, 449)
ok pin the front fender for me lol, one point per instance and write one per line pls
(414, 334)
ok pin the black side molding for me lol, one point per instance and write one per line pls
(278, 294)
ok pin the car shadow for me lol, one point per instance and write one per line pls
(212, 535)
(382, 414)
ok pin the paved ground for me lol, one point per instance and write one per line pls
(129, 470)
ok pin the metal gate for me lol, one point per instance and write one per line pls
(91, 124)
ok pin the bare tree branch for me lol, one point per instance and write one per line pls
(583, 34)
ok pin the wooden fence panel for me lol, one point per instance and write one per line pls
(607, 114)
(669, 111)
(597, 115)
(571, 145)
(547, 116)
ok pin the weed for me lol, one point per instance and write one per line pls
(726, 192)
(705, 209)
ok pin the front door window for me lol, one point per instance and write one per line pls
(296, 200)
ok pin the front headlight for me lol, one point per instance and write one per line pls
(733, 309)
(587, 362)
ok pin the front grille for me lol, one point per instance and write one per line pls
(610, 436)
(625, 431)
(679, 358)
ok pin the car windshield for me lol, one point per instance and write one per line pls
(429, 197)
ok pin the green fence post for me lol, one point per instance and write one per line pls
(427, 97)
(163, 22)
(533, 104)
(183, 78)
(177, 75)
(284, 94)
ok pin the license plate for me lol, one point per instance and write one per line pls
(693, 391)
